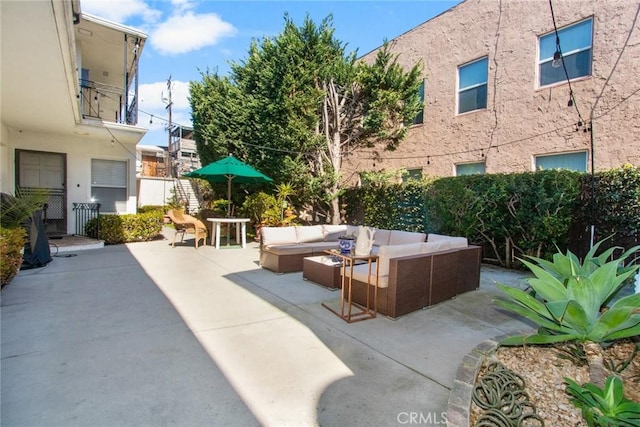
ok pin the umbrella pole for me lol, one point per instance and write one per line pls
(229, 178)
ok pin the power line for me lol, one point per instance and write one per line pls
(572, 101)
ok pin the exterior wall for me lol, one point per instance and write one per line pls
(5, 165)
(79, 153)
(154, 191)
(521, 120)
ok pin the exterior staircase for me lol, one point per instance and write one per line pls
(185, 191)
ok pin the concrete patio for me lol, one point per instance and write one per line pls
(145, 335)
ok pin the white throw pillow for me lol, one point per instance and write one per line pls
(381, 237)
(278, 235)
(332, 232)
(404, 237)
(309, 233)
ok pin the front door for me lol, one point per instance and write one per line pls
(37, 169)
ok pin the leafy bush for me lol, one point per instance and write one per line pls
(257, 205)
(116, 229)
(512, 215)
(152, 208)
(604, 407)
(12, 241)
(384, 204)
(610, 201)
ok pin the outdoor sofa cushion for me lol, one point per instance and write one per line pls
(278, 235)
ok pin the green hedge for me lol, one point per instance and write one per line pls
(153, 208)
(12, 241)
(397, 206)
(510, 215)
(116, 229)
(614, 209)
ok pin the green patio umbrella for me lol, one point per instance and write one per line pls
(229, 170)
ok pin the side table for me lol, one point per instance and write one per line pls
(346, 312)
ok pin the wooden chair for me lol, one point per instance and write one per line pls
(184, 223)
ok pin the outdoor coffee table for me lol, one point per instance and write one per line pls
(346, 312)
(323, 270)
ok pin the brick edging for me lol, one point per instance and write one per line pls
(459, 403)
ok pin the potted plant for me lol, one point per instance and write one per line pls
(16, 210)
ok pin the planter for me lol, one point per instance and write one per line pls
(543, 370)
(347, 245)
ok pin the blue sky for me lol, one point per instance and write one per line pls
(187, 37)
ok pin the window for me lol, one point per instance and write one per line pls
(109, 184)
(575, 43)
(572, 161)
(470, 168)
(472, 85)
(412, 174)
(420, 116)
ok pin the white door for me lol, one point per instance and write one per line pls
(45, 170)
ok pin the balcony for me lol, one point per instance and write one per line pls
(108, 54)
(106, 102)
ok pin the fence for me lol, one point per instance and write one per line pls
(84, 213)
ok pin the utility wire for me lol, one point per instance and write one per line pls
(572, 101)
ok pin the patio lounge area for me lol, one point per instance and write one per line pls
(150, 334)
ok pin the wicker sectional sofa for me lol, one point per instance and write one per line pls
(283, 249)
(412, 273)
(419, 275)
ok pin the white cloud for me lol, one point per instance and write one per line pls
(182, 5)
(120, 10)
(187, 32)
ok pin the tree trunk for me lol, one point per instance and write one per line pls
(332, 119)
(597, 371)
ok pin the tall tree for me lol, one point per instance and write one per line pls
(299, 103)
(374, 104)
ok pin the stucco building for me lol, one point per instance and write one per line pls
(69, 110)
(516, 85)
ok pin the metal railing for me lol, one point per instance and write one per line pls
(103, 101)
(86, 212)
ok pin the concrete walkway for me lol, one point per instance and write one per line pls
(149, 335)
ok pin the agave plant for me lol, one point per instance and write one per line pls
(568, 303)
(604, 407)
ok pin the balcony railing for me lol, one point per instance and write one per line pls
(106, 102)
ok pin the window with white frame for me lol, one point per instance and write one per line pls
(419, 118)
(472, 85)
(470, 168)
(575, 44)
(573, 161)
(109, 184)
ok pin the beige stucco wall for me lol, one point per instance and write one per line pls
(521, 120)
(5, 166)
